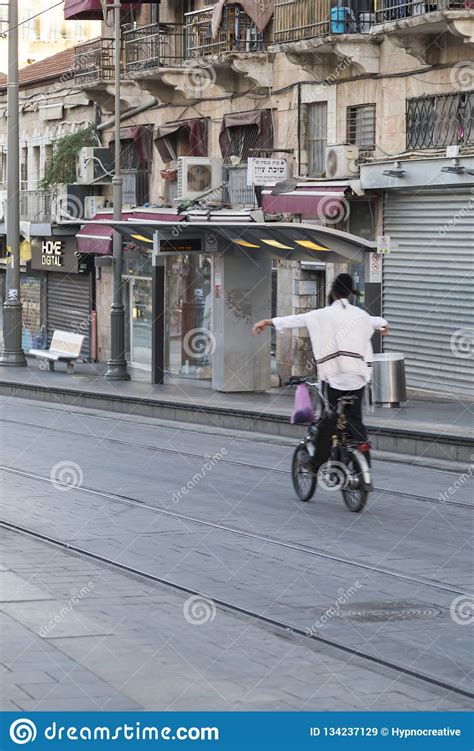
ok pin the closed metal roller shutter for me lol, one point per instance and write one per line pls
(428, 286)
(70, 305)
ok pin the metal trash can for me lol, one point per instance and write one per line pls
(388, 379)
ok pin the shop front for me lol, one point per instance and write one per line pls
(193, 292)
(65, 281)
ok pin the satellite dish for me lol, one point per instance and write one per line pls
(285, 186)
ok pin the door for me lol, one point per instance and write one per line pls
(141, 316)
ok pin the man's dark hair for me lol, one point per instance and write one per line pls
(342, 286)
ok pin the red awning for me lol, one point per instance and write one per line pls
(309, 200)
(97, 238)
(88, 10)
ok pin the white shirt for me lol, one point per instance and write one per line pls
(341, 340)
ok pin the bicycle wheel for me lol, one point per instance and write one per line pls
(355, 498)
(304, 482)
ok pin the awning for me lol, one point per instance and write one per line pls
(261, 118)
(282, 240)
(196, 129)
(142, 135)
(88, 10)
(97, 237)
(309, 200)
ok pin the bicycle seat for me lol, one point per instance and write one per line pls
(295, 381)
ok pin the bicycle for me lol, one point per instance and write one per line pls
(347, 468)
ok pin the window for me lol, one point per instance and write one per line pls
(3, 166)
(29, 26)
(242, 139)
(434, 122)
(361, 126)
(316, 137)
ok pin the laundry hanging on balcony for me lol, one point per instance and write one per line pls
(89, 10)
(196, 131)
(259, 11)
(261, 119)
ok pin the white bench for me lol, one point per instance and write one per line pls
(65, 346)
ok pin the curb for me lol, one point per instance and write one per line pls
(455, 448)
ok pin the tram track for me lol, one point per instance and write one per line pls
(261, 618)
(234, 462)
(236, 531)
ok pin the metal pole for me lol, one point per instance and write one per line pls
(117, 365)
(12, 323)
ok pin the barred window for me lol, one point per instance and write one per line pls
(361, 126)
(316, 138)
(242, 140)
(440, 120)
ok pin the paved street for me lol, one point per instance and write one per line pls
(211, 513)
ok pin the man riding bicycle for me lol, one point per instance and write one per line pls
(340, 336)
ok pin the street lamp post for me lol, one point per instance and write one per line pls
(117, 365)
(12, 322)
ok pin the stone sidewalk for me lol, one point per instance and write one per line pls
(80, 636)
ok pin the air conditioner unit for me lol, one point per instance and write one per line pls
(198, 175)
(94, 166)
(68, 204)
(93, 204)
(341, 161)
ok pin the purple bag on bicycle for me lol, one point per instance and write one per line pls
(303, 407)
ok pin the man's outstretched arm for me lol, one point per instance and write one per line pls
(284, 322)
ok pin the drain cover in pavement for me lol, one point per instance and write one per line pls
(398, 610)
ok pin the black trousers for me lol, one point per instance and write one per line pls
(327, 425)
(355, 426)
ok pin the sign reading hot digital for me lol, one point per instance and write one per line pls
(52, 253)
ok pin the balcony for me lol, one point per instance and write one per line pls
(237, 33)
(441, 120)
(94, 73)
(153, 46)
(415, 26)
(316, 35)
(171, 61)
(35, 206)
(94, 62)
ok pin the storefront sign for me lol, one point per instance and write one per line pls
(55, 254)
(52, 253)
(263, 171)
(375, 271)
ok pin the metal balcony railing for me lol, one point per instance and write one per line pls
(153, 46)
(440, 120)
(94, 61)
(395, 10)
(316, 18)
(35, 206)
(237, 33)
